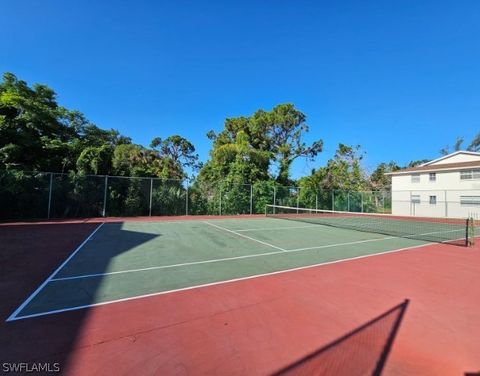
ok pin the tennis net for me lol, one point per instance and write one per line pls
(442, 230)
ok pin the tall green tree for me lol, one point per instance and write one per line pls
(378, 180)
(272, 139)
(37, 134)
(174, 154)
(286, 130)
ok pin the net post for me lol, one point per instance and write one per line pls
(50, 195)
(186, 200)
(469, 235)
(104, 211)
(150, 201)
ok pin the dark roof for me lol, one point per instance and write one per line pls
(439, 167)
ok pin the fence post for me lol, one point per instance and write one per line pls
(251, 199)
(104, 211)
(220, 206)
(298, 199)
(150, 203)
(333, 199)
(316, 200)
(274, 197)
(186, 200)
(361, 199)
(50, 195)
(348, 201)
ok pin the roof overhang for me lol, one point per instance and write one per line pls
(426, 169)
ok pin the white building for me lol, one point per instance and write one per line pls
(445, 187)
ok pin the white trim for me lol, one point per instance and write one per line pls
(35, 293)
(450, 155)
(217, 283)
(433, 169)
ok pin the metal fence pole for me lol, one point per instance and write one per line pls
(220, 206)
(333, 199)
(50, 195)
(104, 211)
(274, 197)
(251, 199)
(316, 200)
(361, 200)
(298, 199)
(186, 200)
(150, 203)
(348, 201)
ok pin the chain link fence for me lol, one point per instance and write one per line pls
(55, 195)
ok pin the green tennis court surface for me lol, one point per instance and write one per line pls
(127, 260)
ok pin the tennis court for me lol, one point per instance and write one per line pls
(293, 292)
(121, 261)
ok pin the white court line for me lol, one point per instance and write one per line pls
(14, 316)
(92, 275)
(215, 283)
(215, 260)
(35, 293)
(244, 236)
(276, 228)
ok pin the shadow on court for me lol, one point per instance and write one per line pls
(29, 254)
(363, 351)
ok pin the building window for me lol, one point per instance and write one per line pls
(470, 174)
(470, 200)
(433, 176)
(415, 178)
(415, 199)
(433, 200)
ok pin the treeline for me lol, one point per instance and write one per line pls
(38, 135)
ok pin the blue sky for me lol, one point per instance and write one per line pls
(401, 78)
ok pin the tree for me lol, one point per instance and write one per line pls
(475, 144)
(417, 163)
(344, 171)
(95, 160)
(273, 139)
(37, 134)
(286, 129)
(174, 154)
(378, 180)
(132, 160)
(456, 147)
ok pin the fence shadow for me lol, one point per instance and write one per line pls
(363, 351)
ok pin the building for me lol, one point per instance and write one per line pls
(445, 187)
